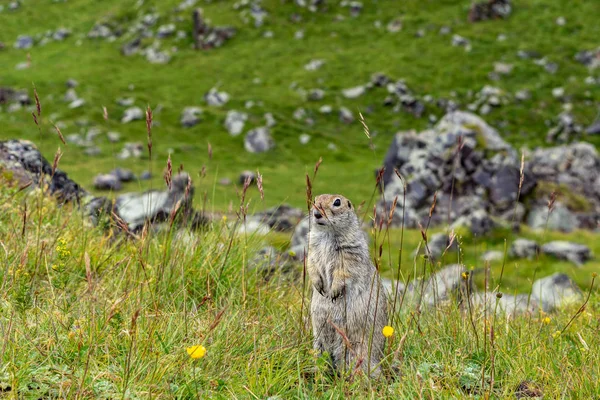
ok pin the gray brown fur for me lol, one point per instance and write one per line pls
(347, 290)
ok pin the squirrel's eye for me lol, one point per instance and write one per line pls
(337, 202)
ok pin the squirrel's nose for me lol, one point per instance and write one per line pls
(318, 215)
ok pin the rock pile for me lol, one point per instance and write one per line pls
(112, 181)
(490, 9)
(29, 166)
(259, 140)
(477, 179)
(454, 281)
(208, 37)
(589, 58)
(130, 210)
(572, 172)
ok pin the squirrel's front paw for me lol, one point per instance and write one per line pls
(338, 293)
(318, 285)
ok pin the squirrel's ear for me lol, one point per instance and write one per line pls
(349, 204)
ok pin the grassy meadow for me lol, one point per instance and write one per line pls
(86, 313)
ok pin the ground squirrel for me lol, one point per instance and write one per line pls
(347, 290)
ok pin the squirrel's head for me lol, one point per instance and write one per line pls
(331, 211)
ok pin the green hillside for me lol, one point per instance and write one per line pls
(269, 71)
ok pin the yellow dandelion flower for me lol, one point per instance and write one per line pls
(387, 331)
(196, 351)
(224, 218)
(465, 275)
(546, 320)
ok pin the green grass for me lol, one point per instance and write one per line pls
(353, 49)
(87, 314)
(120, 326)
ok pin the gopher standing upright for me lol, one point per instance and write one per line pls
(347, 291)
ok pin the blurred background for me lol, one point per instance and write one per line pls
(297, 72)
(489, 108)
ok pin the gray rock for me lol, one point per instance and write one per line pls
(165, 30)
(304, 138)
(523, 248)
(504, 187)
(394, 26)
(563, 250)
(442, 285)
(27, 164)
(460, 122)
(439, 245)
(486, 10)
(155, 56)
(61, 34)
(113, 137)
(70, 95)
(458, 40)
(478, 222)
(594, 128)
(270, 120)
(346, 115)
(247, 175)
(555, 291)
(76, 103)
(315, 94)
(299, 114)
(216, 98)
(558, 92)
(282, 218)
(132, 114)
(492, 255)
(259, 140)
(503, 68)
(589, 58)
(24, 42)
(123, 175)
(523, 95)
(125, 101)
(299, 242)
(314, 65)
(156, 206)
(146, 175)
(355, 92)
(326, 109)
(379, 79)
(253, 226)
(75, 138)
(71, 83)
(508, 303)
(100, 31)
(107, 182)
(560, 218)
(92, 151)
(133, 150)
(234, 122)
(25, 161)
(132, 47)
(190, 116)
